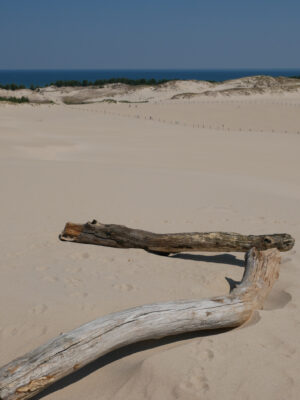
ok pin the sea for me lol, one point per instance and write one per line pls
(45, 77)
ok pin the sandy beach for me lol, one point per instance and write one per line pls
(227, 161)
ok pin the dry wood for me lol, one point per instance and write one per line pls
(123, 237)
(30, 374)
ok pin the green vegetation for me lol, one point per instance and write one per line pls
(133, 102)
(113, 101)
(101, 82)
(109, 101)
(22, 99)
(295, 77)
(72, 100)
(97, 83)
(12, 86)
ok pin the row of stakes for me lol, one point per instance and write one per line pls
(197, 125)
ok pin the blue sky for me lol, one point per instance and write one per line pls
(149, 34)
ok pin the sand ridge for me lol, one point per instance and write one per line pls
(172, 90)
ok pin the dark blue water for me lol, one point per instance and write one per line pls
(45, 77)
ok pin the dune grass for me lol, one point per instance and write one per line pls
(17, 100)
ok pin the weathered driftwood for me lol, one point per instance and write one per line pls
(123, 237)
(30, 374)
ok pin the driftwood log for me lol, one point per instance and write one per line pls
(123, 237)
(30, 374)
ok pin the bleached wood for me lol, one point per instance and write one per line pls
(30, 374)
(122, 237)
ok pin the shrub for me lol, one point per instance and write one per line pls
(22, 99)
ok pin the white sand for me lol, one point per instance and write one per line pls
(63, 163)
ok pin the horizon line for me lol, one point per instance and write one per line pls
(154, 69)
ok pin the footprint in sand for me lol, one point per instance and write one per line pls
(203, 351)
(72, 282)
(195, 384)
(41, 268)
(277, 299)
(286, 259)
(79, 294)
(14, 332)
(43, 331)
(39, 309)
(79, 256)
(209, 354)
(51, 279)
(288, 349)
(5, 332)
(123, 287)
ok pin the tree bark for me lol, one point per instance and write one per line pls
(123, 237)
(30, 374)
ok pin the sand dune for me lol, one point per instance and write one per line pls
(173, 90)
(213, 163)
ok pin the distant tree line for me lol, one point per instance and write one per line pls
(12, 86)
(22, 99)
(102, 82)
(98, 83)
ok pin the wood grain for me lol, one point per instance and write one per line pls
(122, 237)
(30, 374)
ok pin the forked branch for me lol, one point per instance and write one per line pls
(30, 374)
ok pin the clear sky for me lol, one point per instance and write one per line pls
(175, 34)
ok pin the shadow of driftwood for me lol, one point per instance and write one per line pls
(232, 283)
(119, 354)
(219, 258)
